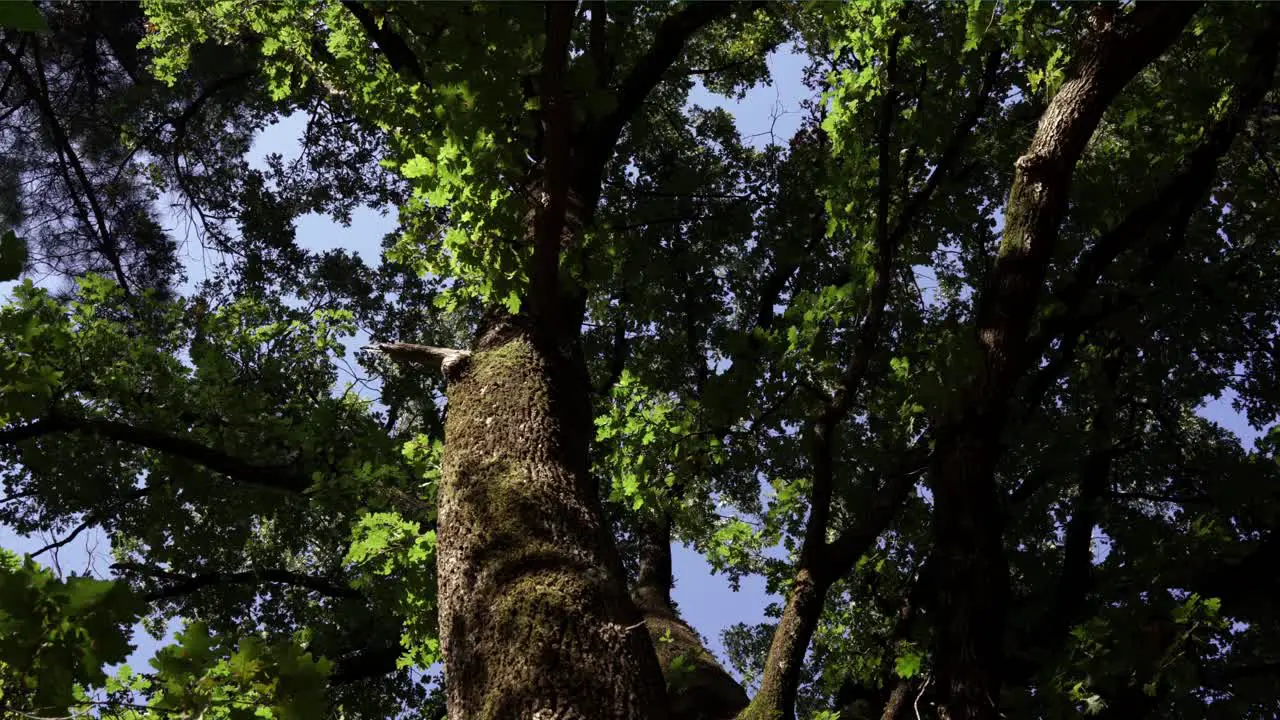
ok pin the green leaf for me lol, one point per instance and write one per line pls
(908, 664)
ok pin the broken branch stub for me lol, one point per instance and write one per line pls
(447, 361)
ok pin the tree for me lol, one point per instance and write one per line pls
(660, 320)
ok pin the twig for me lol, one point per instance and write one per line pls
(923, 687)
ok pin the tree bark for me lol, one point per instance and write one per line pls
(698, 687)
(899, 700)
(971, 568)
(776, 699)
(535, 621)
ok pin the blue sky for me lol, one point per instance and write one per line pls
(706, 601)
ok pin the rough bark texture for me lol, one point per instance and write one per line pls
(899, 700)
(535, 621)
(776, 699)
(698, 687)
(970, 565)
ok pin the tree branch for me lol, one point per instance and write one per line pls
(278, 478)
(187, 584)
(971, 568)
(179, 121)
(1172, 207)
(38, 91)
(1157, 497)
(1178, 197)
(63, 542)
(890, 241)
(447, 361)
(825, 428)
(393, 47)
(1075, 578)
(89, 519)
(854, 541)
(618, 350)
(653, 586)
(556, 215)
(598, 48)
(672, 36)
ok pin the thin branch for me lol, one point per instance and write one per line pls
(179, 122)
(280, 478)
(89, 519)
(18, 496)
(717, 69)
(672, 36)
(1157, 497)
(187, 584)
(632, 191)
(64, 541)
(38, 91)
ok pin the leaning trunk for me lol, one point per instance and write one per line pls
(972, 572)
(776, 699)
(535, 621)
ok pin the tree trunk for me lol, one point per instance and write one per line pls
(896, 708)
(698, 687)
(776, 699)
(968, 553)
(535, 621)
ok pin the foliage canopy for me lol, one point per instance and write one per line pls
(934, 367)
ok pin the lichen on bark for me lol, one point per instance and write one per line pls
(534, 616)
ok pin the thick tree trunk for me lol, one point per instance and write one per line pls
(968, 554)
(698, 687)
(535, 621)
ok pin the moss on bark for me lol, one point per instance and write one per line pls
(535, 621)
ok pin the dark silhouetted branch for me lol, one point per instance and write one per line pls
(187, 584)
(672, 36)
(392, 46)
(280, 478)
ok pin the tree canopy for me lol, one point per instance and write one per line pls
(934, 367)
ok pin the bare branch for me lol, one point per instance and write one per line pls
(89, 519)
(672, 36)
(64, 541)
(444, 360)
